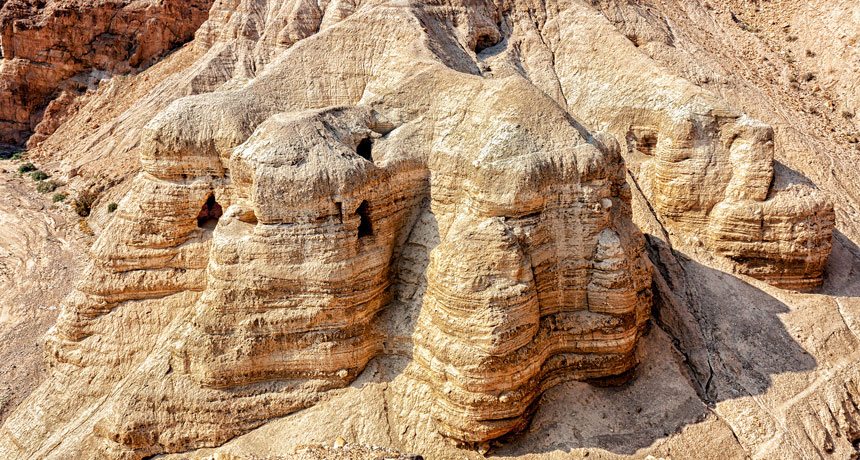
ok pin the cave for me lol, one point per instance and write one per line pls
(365, 227)
(365, 148)
(483, 42)
(647, 144)
(209, 213)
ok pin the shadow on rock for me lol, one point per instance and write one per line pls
(714, 337)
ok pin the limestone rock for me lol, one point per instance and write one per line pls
(326, 184)
(288, 285)
(706, 168)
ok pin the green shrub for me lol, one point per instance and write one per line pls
(26, 167)
(18, 155)
(39, 175)
(83, 204)
(58, 197)
(112, 207)
(47, 186)
(11, 155)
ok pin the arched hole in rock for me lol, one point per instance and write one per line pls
(365, 227)
(209, 213)
(647, 144)
(484, 41)
(365, 149)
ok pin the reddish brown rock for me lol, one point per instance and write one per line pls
(64, 47)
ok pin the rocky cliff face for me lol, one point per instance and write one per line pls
(450, 194)
(54, 50)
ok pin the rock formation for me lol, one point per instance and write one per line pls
(443, 182)
(53, 50)
(706, 169)
(290, 281)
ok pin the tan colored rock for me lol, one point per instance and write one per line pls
(354, 184)
(530, 286)
(316, 206)
(706, 168)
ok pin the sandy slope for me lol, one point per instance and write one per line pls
(41, 250)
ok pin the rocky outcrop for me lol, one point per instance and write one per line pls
(64, 47)
(539, 276)
(283, 291)
(706, 169)
(339, 165)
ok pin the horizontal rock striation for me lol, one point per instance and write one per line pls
(706, 168)
(301, 262)
(286, 281)
(539, 276)
(319, 241)
(347, 162)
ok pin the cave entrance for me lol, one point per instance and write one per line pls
(365, 149)
(483, 42)
(365, 227)
(209, 213)
(643, 139)
(647, 144)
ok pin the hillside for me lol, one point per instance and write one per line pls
(456, 229)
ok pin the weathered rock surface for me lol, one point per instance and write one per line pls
(414, 221)
(52, 50)
(706, 169)
(321, 259)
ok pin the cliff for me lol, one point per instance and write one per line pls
(55, 50)
(442, 227)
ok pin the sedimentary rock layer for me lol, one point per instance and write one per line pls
(246, 272)
(287, 284)
(706, 168)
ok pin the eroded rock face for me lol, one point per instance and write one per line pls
(706, 169)
(433, 168)
(62, 47)
(532, 215)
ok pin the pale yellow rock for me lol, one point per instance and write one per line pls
(706, 168)
(317, 206)
(462, 164)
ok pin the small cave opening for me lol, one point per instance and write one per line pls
(365, 227)
(338, 206)
(483, 42)
(647, 144)
(209, 213)
(365, 149)
(637, 42)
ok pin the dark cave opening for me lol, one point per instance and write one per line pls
(647, 144)
(365, 149)
(209, 213)
(365, 227)
(483, 42)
